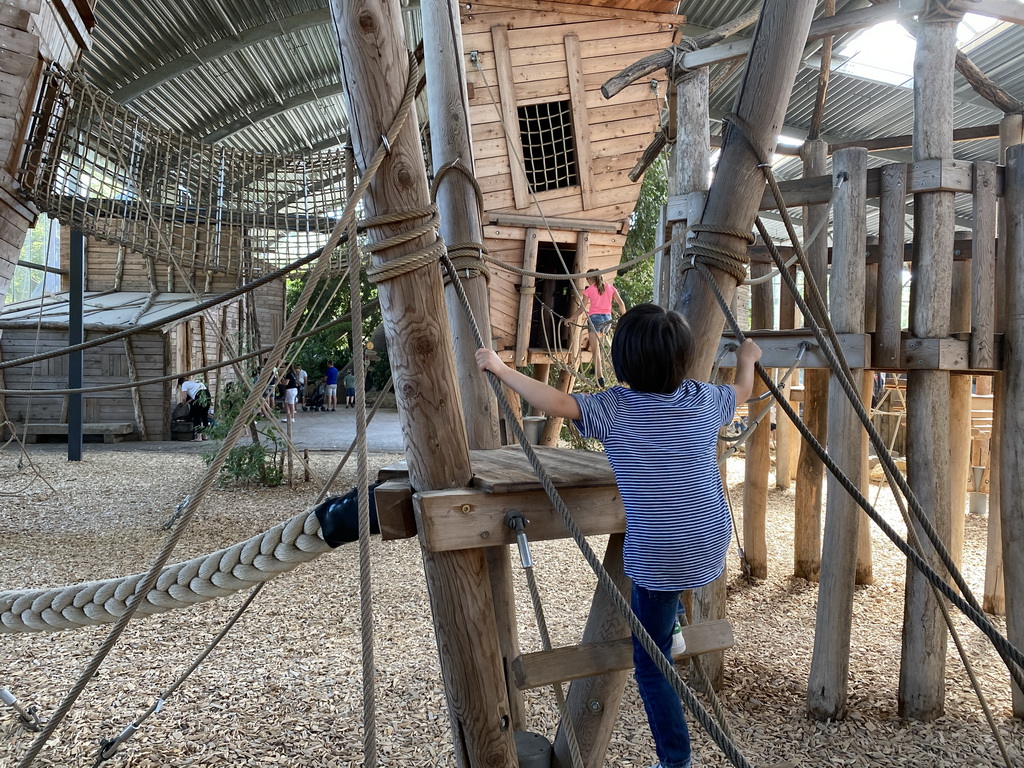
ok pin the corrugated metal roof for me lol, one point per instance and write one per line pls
(265, 76)
(106, 311)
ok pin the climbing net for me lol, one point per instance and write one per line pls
(117, 176)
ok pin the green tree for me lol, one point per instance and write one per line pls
(636, 284)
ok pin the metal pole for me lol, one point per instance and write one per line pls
(76, 335)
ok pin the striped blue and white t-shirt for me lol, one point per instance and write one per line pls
(662, 448)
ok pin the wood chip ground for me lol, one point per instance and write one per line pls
(284, 688)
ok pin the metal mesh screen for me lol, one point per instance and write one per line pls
(549, 148)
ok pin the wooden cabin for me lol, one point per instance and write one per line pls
(552, 155)
(119, 296)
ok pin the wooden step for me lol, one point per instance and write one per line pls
(533, 670)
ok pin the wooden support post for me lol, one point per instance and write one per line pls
(981, 321)
(732, 203)
(864, 573)
(133, 376)
(827, 686)
(757, 465)
(891, 234)
(460, 213)
(374, 65)
(810, 471)
(691, 159)
(922, 672)
(1011, 133)
(527, 292)
(594, 724)
(786, 436)
(553, 427)
(1012, 427)
(959, 412)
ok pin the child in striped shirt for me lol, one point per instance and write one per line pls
(660, 434)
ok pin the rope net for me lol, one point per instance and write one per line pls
(98, 166)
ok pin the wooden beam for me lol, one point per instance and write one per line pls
(395, 513)
(983, 267)
(580, 121)
(544, 222)
(459, 519)
(509, 114)
(971, 133)
(779, 349)
(573, 662)
(527, 293)
(841, 23)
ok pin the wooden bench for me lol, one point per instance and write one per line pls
(113, 432)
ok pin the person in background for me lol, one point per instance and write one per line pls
(597, 303)
(331, 386)
(290, 385)
(302, 378)
(660, 433)
(198, 398)
(350, 390)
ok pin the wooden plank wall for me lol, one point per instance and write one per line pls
(33, 33)
(620, 128)
(105, 364)
(508, 244)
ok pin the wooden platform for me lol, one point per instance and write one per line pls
(112, 433)
(466, 518)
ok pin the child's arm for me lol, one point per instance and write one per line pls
(621, 304)
(748, 354)
(536, 393)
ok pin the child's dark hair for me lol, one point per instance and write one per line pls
(651, 348)
(598, 280)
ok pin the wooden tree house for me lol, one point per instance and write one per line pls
(552, 155)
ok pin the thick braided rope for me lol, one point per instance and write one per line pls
(251, 403)
(731, 262)
(240, 566)
(408, 262)
(667, 669)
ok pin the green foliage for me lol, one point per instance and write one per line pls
(330, 300)
(253, 464)
(636, 284)
(27, 283)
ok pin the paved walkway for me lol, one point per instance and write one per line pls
(335, 431)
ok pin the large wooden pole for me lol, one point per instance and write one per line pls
(1011, 133)
(959, 413)
(1012, 429)
(810, 472)
(734, 198)
(374, 66)
(733, 201)
(827, 685)
(922, 672)
(757, 463)
(691, 159)
(450, 143)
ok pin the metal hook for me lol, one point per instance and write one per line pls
(515, 520)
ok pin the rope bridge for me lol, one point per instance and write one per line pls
(101, 168)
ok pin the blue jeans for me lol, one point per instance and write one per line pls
(599, 323)
(657, 613)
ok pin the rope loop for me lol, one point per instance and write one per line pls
(400, 265)
(716, 256)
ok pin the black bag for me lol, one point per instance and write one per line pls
(181, 412)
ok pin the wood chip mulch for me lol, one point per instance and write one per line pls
(284, 687)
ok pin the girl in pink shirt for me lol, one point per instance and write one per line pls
(597, 301)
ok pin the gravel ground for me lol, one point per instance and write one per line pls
(284, 687)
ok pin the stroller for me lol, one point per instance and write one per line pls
(314, 398)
